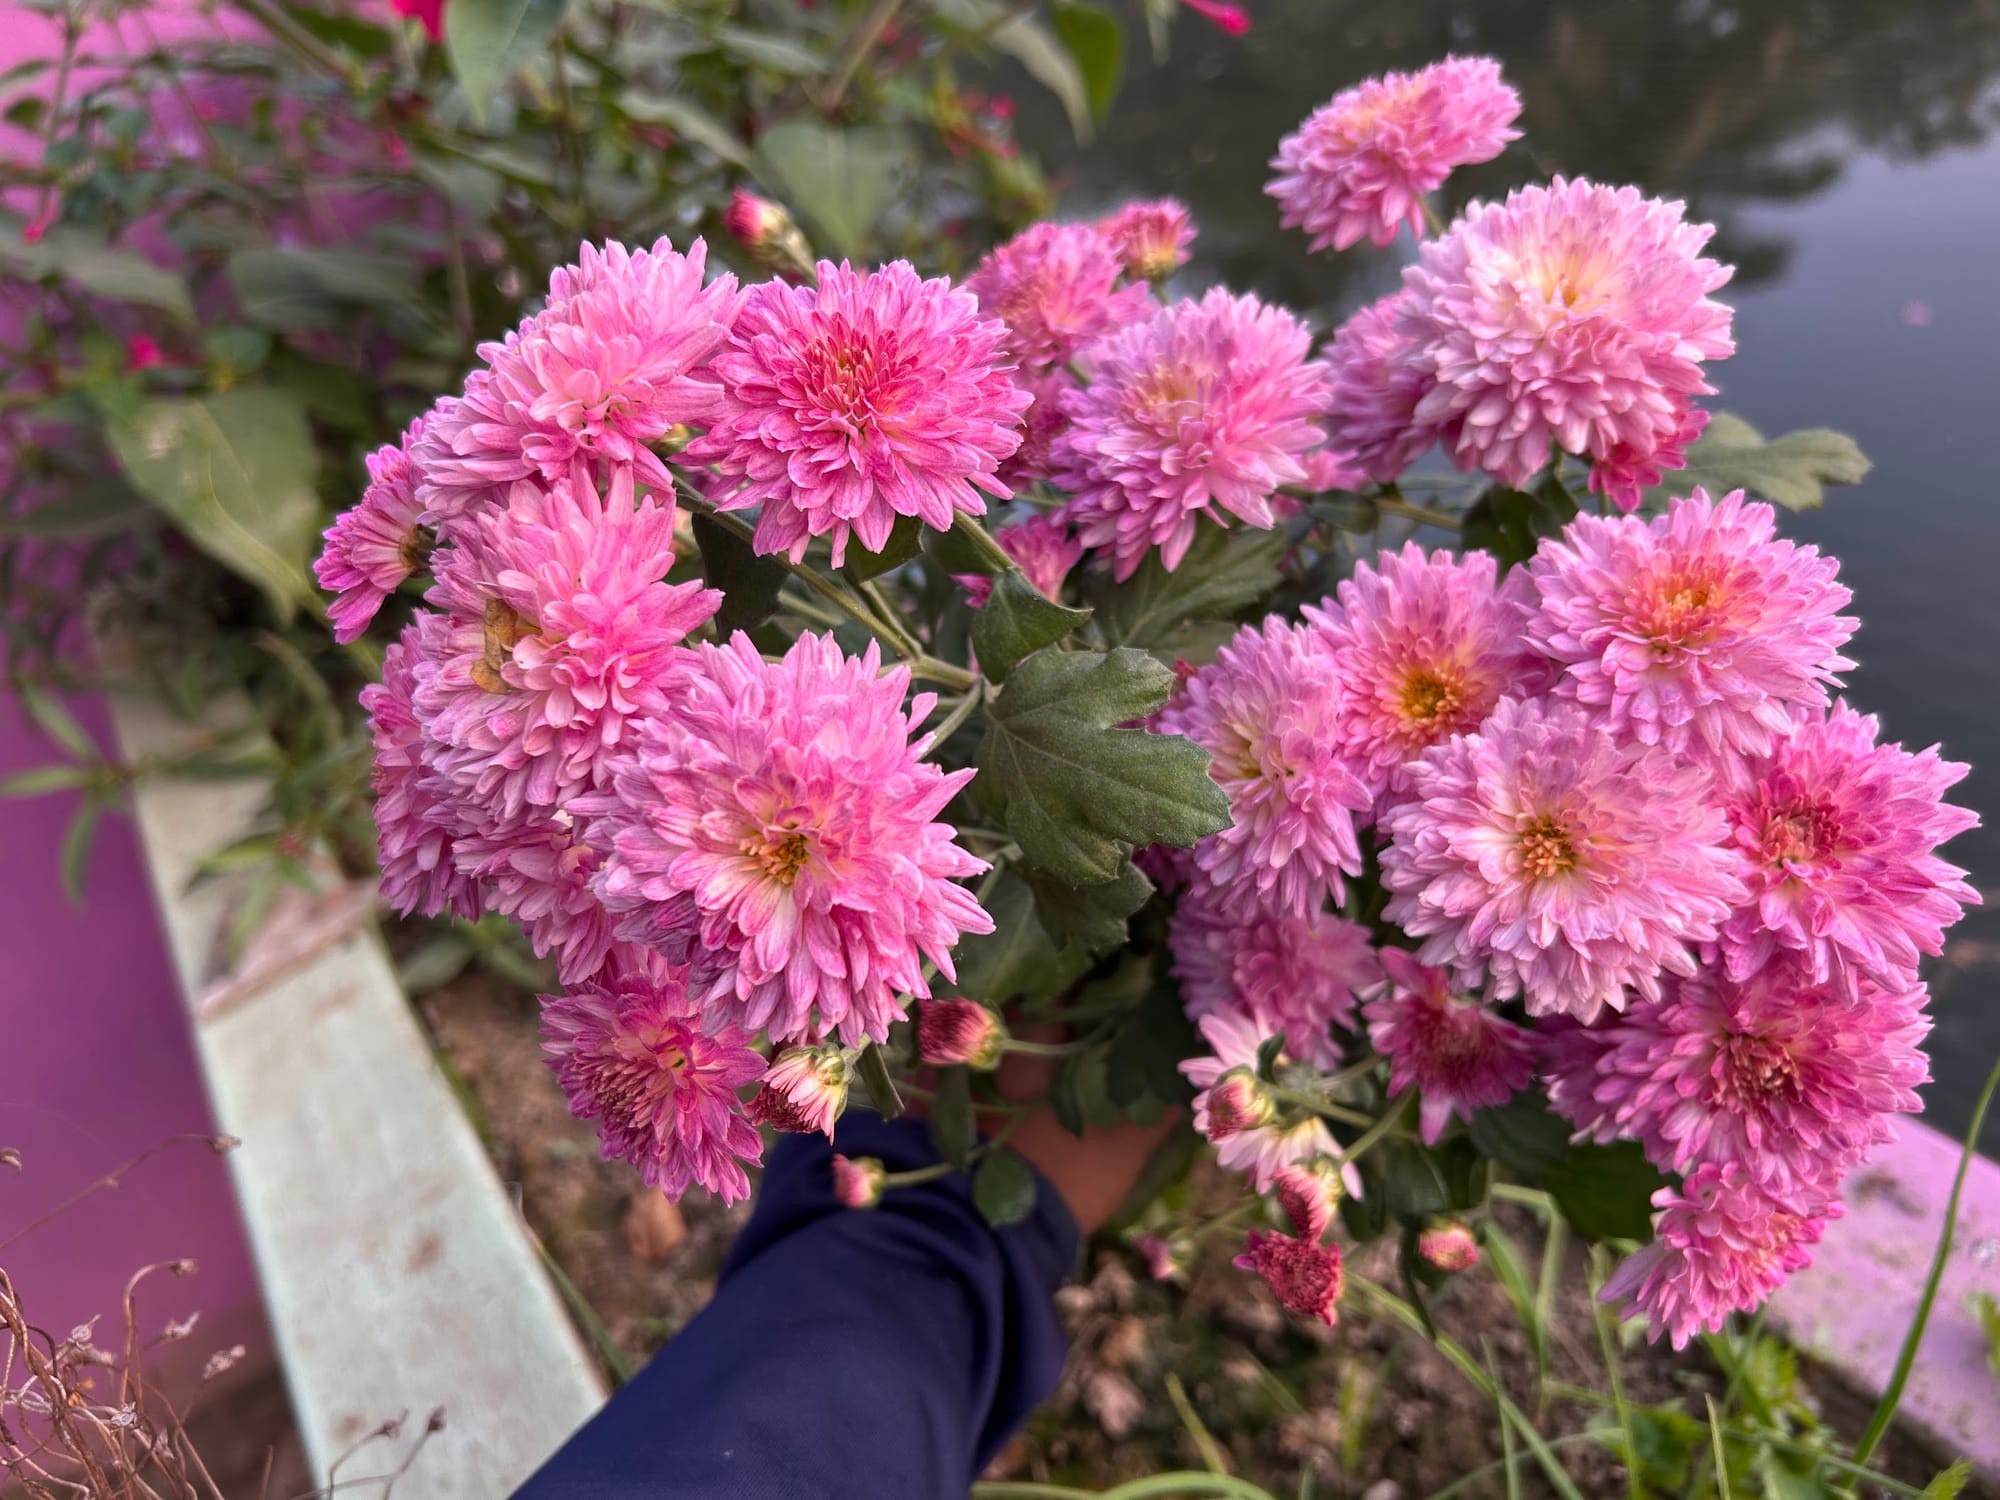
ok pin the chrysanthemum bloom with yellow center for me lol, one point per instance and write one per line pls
(372, 548)
(1562, 860)
(1056, 287)
(1371, 417)
(805, 1089)
(1151, 237)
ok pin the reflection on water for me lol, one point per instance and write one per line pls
(1845, 150)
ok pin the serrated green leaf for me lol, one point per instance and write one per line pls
(1606, 1192)
(749, 582)
(236, 473)
(1015, 620)
(1050, 64)
(1420, 1182)
(1017, 959)
(1950, 1483)
(489, 41)
(1096, 42)
(905, 538)
(40, 780)
(1523, 1135)
(1148, 1049)
(1080, 1096)
(841, 180)
(954, 552)
(1090, 917)
(953, 1130)
(1510, 524)
(1078, 793)
(1222, 572)
(1003, 1189)
(1793, 470)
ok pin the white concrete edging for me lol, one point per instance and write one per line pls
(396, 1271)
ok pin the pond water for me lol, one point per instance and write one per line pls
(1846, 149)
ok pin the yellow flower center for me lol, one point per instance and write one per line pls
(1546, 850)
(779, 857)
(1431, 699)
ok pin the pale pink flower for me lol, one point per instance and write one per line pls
(372, 548)
(537, 870)
(1835, 836)
(874, 395)
(1360, 165)
(1304, 1276)
(1205, 410)
(1776, 1074)
(1292, 973)
(568, 635)
(1268, 711)
(632, 1056)
(1151, 237)
(1371, 414)
(1458, 1055)
(1562, 859)
(1044, 547)
(1425, 645)
(778, 830)
(959, 1031)
(857, 1181)
(805, 1090)
(1698, 630)
(1236, 1111)
(1056, 288)
(1570, 314)
(1624, 470)
(415, 816)
(1721, 1245)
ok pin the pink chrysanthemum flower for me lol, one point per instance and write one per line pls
(1458, 1055)
(631, 1056)
(871, 396)
(778, 831)
(1304, 1276)
(1721, 1245)
(372, 548)
(1152, 237)
(1570, 314)
(1360, 165)
(805, 1090)
(1035, 460)
(1268, 711)
(1698, 630)
(1309, 1195)
(858, 1181)
(1776, 1073)
(1235, 1111)
(1371, 415)
(1204, 410)
(1562, 859)
(1624, 470)
(950, 1032)
(1290, 973)
(567, 635)
(1449, 1246)
(1836, 836)
(1045, 548)
(1425, 645)
(538, 871)
(415, 817)
(1056, 288)
(609, 367)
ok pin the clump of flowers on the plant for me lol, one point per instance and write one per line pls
(800, 776)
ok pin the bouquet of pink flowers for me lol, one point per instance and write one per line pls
(1554, 854)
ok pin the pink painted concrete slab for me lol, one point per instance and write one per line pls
(1850, 1309)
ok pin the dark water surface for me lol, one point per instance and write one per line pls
(1847, 151)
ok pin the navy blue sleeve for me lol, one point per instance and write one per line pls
(883, 1353)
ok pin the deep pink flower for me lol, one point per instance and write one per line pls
(857, 1181)
(959, 1031)
(142, 353)
(372, 548)
(1056, 288)
(631, 1056)
(1310, 1195)
(1624, 469)
(1776, 1074)
(1292, 973)
(566, 634)
(1151, 237)
(415, 817)
(1304, 1276)
(753, 221)
(430, 12)
(1570, 314)
(537, 871)
(1035, 460)
(1206, 409)
(1425, 644)
(1225, 16)
(1562, 859)
(1371, 416)
(871, 396)
(1835, 836)
(805, 1090)
(1698, 630)
(1360, 165)
(1449, 1246)
(1268, 711)
(1045, 548)
(1458, 1055)
(1721, 1245)
(1235, 1110)
(777, 830)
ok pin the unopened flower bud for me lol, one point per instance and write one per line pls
(754, 221)
(1449, 1246)
(1164, 1260)
(857, 1181)
(805, 1089)
(959, 1031)
(1305, 1277)
(1238, 1102)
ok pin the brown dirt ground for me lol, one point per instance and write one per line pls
(1368, 1410)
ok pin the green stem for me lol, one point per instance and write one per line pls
(1390, 505)
(1321, 1107)
(859, 43)
(1376, 1131)
(960, 711)
(1046, 1049)
(1601, 1316)
(1409, 1317)
(1431, 216)
(983, 543)
(879, 602)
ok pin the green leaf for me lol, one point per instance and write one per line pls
(236, 473)
(749, 582)
(953, 1130)
(435, 964)
(1986, 1308)
(1792, 471)
(1077, 793)
(318, 289)
(88, 264)
(489, 41)
(1017, 957)
(1015, 620)
(1348, 512)
(1222, 572)
(1170, 1163)
(53, 718)
(1606, 1192)
(842, 180)
(1003, 1189)
(1096, 41)
(955, 552)
(1510, 523)
(1081, 1093)
(1147, 1052)
(39, 780)
(1050, 64)
(1950, 1483)
(874, 1070)
(1522, 1135)
(689, 120)
(905, 537)
(1091, 917)
(1421, 1182)
(768, 49)
(76, 848)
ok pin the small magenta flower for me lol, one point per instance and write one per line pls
(805, 1089)
(143, 352)
(1151, 237)
(430, 12)
(415, 814)
(1304, 1276)
(752, 221)
(1371, 416)
(1448, 1245)
(1226, 16)
(1458, 1055)
(959, 1031)
(1056, 288)
(857, 1180)
(372, 548)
